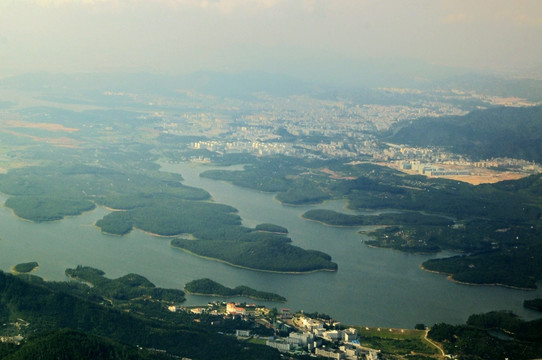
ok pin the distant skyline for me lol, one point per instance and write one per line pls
(183, 36)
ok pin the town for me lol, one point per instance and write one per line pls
(299, 334)
(307, 127)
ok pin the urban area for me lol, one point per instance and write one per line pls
(294, 333)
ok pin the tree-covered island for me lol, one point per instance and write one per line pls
(157, 203)
(271, 228)
(126, 288)
(496, 226)
(334, 218)
(209, 287)
(24, 268)
(273, 255)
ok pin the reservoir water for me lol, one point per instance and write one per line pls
(373, 287)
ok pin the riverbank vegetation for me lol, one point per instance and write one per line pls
(212, 288)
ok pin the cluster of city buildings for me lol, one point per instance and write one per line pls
(231, 309)
(312, 335)
(307, 127)
(258, 127)
(12, 339)
(302, 334)
(345, 132)
(431, 170)
(14, 328)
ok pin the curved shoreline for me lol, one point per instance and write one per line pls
(331, 225)
(402, 251)
(179, 235)
(450, 277)
(15, 272)
(78, 279)
(48, 221)
(377, 226)
(230, 296)
(249, 268)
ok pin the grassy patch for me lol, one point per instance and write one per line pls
(395, 341)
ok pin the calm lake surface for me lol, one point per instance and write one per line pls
(373, 287)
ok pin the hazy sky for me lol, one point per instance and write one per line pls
(180, 36)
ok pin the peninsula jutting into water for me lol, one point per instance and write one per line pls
(212, 288)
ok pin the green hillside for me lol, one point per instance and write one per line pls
(44, 308)
(496, 132)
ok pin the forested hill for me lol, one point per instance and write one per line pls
(62, 321)
(481, 134)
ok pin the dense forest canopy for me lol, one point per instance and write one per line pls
(482, 134)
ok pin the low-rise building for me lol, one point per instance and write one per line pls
(235, 310)
(310, 324)
(329, 353)
(243, 333)
(279, 344)
(351, 352)
(331, 335)
(300, 339)
(319, 332)
(349, 335)
(285, 313)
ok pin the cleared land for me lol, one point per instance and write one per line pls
(477, 176)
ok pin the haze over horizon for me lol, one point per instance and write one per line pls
(292, 37)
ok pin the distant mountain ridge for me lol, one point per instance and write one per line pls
(481, 134)
(364, 86)
(492, 85)
(221, 84)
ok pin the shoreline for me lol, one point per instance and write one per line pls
(334, 226)
(449, 277)
(230, 296)
(47, 221)
(377, 226)
(249, 268)
(190, 236)
(78, 279)
(402, 251)
(15, 272)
